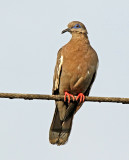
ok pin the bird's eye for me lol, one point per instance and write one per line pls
(77, 26)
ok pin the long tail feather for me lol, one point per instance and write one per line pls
(59, 130)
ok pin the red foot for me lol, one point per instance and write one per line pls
(81, 97)
(68, 95)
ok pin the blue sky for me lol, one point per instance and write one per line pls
(30, 37)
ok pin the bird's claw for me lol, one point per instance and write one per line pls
(81, 97)
(68, 96)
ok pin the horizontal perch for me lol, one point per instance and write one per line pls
(61, 97)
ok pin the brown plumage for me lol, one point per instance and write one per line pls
(75, 72)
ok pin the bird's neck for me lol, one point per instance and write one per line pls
(80, 37)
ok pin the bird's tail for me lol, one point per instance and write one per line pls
(60, 130)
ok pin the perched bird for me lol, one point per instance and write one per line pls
(74, 74)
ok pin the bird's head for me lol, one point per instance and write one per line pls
(75, 27)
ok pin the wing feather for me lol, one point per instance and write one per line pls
(57, 73)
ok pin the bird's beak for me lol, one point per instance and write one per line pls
(66, 30)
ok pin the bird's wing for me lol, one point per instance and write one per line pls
(57, 73)
(56, 84)
(86, 92)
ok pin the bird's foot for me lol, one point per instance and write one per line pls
(68, 96)
(81, 97)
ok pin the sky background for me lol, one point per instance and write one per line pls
(30, 37)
